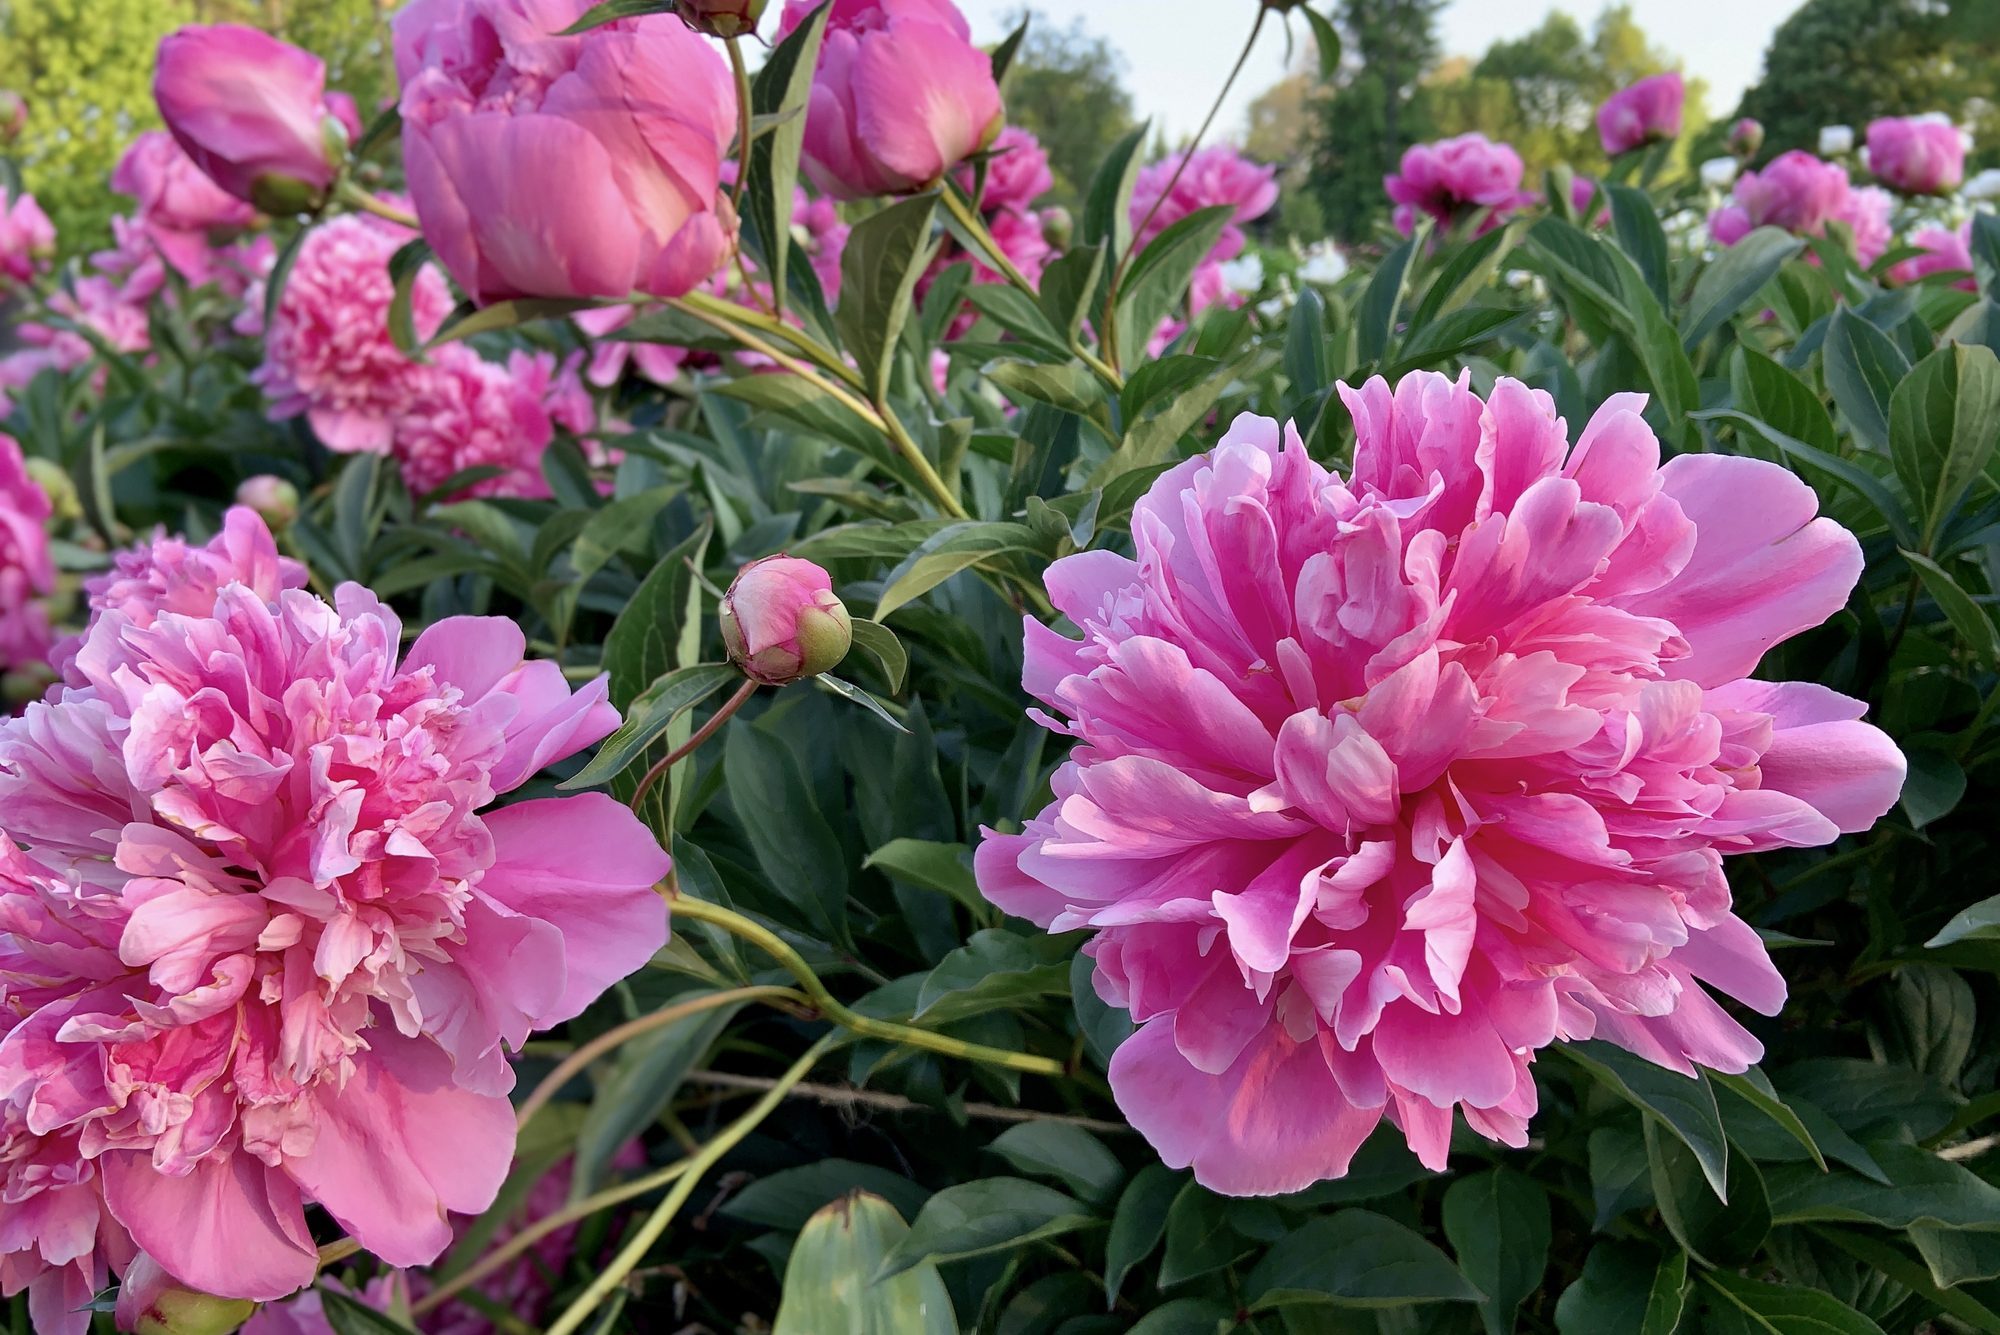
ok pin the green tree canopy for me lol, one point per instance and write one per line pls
(1065, 86)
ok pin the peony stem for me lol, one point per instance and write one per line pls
(656, 1224)
(773, 945)
(692, 744)
(742, 73)
(337, 1251)
(574, 1064)
(771, 326)
(356, 198)
(1187, 156)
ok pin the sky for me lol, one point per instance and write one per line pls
(1177, 52)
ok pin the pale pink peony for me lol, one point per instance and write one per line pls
(1454, 177)
(27, 571)
(1214, 177)
(472, 413)
(1382, 784)
(269, 939)
(1645, 113)
(1945, 251)
(27, 239)
(1921, 155)
(329, 354)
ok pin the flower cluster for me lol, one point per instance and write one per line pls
(1383, 783)
(1802, 194)
(265, 938)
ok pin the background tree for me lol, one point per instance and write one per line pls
(1370, 118)
(1066, 86)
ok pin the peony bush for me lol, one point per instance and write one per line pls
(651, 693)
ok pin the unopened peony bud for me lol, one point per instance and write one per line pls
(782, 622)
(1058, 228)
(150, 1303)
(1746, 137)
(275, 500)
(721, 18)
(251, 111)
(13, 115)
(56, 485)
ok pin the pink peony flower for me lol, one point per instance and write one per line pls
(269, 938)
(251, 111)
(27, 239)
(1796, 191)
(179, 205)
(1022, 240)
(1919, 155)
(657, 362)
(1017, 173)
(472, 413)
(1581, 191)
(817, 227)
(1455, 176)
(27, 571)
(901, 96)
(96, 304)
(169, 574)
(329, 354)
(547, 166)
(1382, 784)
(1866, 212)
(1945, 251)
(1645, 113)
(1215, 176)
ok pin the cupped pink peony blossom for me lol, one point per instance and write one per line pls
(1215, 176)
(269, 939)
(1919, 155)
(1017, 173)
(27, 570)
(251, 111)
(547, 166)
(1384, 783)
(471, 413)
(1866, 212)
(1645, 113)
(1456, 176)
(1795, 191)
(1946, 250)
(901, 96)
(179, 205)
(329, 354)
(27, 239)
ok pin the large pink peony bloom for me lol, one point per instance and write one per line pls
(269, 939)
(546, 166)
(1945, 251)
(1456, 176)
(1215, 176)
(1795, 191)
(329, 354)
(27, 571)
(1920, 155)
(1382, 784)
(1645, 113)
(27, 239)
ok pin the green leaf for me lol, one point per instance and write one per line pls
(1306, 357)
(621, 526)
(1621, 1287)
(881, 644)
(1683, 1106)
(658, 632)
(994, 969)
(1935, 784)
(944, 554)
(1754, 1088)
(1635, 221)
(782, 88)
(1104, 1027)
(1498, 1223)
(830, 1285)
(1138, 1224)
(1466, 272)
(886, 253)
(1986, 253)
(797, 851)
(1068, 286)
(1863, 368)
(1199, 1238)
(1944, 423)
(1733, 278)
(1667, 1299)
(1158, 279)
(610, 11)
(946, 868)
(990, 1215)
(1981, 922)
(1716, 1231)
(1326, 41)
(648, 719)
(1107, 209)
(789, 1197)
(500, 315)
(1384, 298)
(348, 1315)
(1065, 385)
(1150, 439)
(1766, 390)
(1355, 1258)
(404, 265)
(642, 1085)
(1925, 1187)
(1912, 1275)
(1781, 1309)
(1186, 1316)
(1069, 1154)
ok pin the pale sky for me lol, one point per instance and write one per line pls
(1177, 52)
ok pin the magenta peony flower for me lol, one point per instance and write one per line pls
(472, 413)
(1919, 155)
(183, 210)
(1945, 251)
(901, 96)
(1017, 174)
(27, 240)
(1455, 176)
(329, 354)
(270, 939)
(1796, 191)
(27, 571)
(1215, 176)
(1382, 784)
(547, 166)
(252, 113)
(1645, 113)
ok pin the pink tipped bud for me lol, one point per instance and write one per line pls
(251, 111)
(721, 18)
(151, 1303)
(275, 500)
(782, 622)
(1746, 137)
